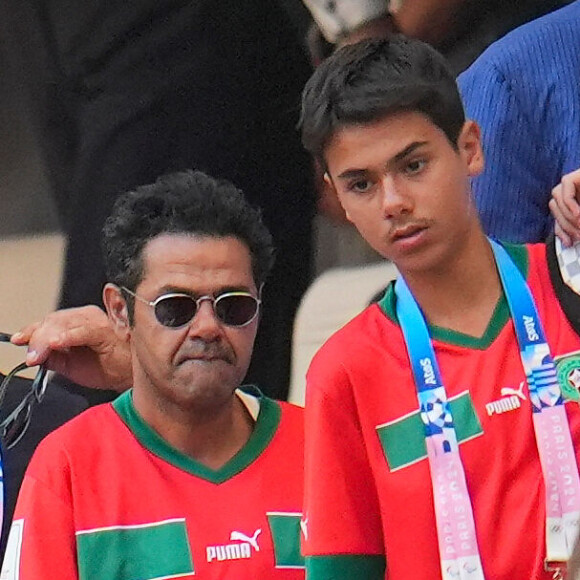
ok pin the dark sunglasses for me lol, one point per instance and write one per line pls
(14, 426)
(176, 310)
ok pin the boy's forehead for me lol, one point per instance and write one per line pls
(392, 136)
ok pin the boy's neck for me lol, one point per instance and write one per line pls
(463, 294)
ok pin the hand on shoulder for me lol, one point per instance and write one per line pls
(565, 208)
(80, 344)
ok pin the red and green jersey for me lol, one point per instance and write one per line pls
(368, 491)
(106, 498)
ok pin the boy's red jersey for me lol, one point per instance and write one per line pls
(368, 490)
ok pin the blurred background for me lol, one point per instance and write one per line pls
(30, 243)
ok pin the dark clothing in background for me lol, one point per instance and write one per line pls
(124, 91)
(478, 23)
(56, 408)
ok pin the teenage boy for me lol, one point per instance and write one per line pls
(438, 442)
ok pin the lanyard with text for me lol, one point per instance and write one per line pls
(454, 514)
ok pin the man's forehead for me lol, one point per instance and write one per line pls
(168, 241)
(184, 256)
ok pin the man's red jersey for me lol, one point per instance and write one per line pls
(106, 498)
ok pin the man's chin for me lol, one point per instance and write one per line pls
(205, 390)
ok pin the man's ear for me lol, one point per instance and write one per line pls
(117, 311)
(470, 149)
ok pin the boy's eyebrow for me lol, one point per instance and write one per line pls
(408, 150)
(350, 173)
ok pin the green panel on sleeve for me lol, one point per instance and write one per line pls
(285, 529)
(345, 567)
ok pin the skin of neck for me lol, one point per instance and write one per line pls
(210, 435)
(462, 294)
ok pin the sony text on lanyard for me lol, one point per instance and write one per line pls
(456, 532)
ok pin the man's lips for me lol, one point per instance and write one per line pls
(203, 358)
(213, 355)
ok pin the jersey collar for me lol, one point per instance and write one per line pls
(265, 427)
(499, 318)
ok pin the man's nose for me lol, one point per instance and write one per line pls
(205, 322)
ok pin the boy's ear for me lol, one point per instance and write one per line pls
(470, 149)
(330, 200)
(117, 311)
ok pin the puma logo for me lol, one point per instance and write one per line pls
(506, 391)
(239, 551)
(510, 401)
(253, 541)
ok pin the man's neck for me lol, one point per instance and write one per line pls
(463, 294)
(209, 437)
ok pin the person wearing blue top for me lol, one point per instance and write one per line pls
(524, 92)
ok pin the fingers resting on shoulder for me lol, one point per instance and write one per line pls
(81, 344)
(62, 330)
(565, 208)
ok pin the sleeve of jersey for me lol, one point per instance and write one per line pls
(42, 538)
(518, 173)
(343, 537)
(564, 268)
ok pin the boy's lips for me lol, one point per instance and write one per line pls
(407, 231)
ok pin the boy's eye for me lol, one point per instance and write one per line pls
(414, 166)
(361, 185)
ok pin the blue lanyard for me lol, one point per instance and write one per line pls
(457, 540)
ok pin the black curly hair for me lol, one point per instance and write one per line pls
(186, 202)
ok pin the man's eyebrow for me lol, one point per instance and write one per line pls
(170, 289)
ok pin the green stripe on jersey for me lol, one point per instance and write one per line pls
(285, 530)
(403, 440)
(264, 429)
(499, 318)
(147, 551)
(345, 567)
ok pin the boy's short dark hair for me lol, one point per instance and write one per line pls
(187, 202)
(367, 81)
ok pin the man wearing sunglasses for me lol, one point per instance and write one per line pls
(185, 474)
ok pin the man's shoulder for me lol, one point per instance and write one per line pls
(83, 431)
(549, 28)
(292, 411)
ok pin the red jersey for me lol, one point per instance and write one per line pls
(105, 497)
(368, 491)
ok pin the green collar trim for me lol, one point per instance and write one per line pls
(264, 430)
(499, 318)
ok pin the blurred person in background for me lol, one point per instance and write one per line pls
(524, 92)
(122, 92)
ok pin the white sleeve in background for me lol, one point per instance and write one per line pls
(335, 18)
(569, 262)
